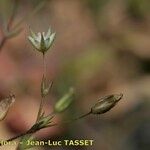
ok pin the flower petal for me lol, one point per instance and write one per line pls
(48, 34)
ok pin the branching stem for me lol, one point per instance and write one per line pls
(30, 131)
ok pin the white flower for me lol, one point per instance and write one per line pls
(42, 42)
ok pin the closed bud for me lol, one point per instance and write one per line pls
(64, 102)
(5, 105)
(106, 103)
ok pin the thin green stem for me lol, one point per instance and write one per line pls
(30, 131)
(42, 99)
(2, 43)
(40, 109)
(70, 121)
(44, 65)
(29, 15)
(13, 14)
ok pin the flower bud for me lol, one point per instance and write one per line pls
(106, 103)
(5, 105)
(64, 102)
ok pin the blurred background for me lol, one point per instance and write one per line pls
(102, 47)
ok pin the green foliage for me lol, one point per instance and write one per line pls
(138, 8)
(96, 6)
